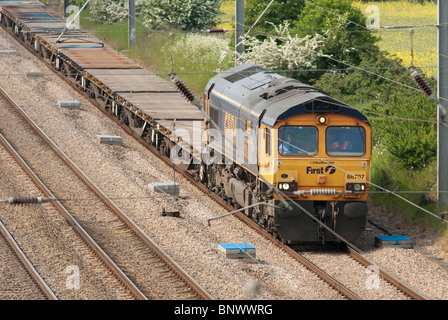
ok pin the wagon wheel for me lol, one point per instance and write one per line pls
(46, 54)
(65, 68)
(92, 90)
(96, 94)
(164, 148)
(184, 165)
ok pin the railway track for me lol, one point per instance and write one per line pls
(325, 276)
(17, 260)
(330, 280)
(62, 240)
(142, 259)
(408, 291)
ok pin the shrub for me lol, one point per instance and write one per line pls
(278, 13)
(159, 14)
(283, 52)
(112, 11)
(412, 144)
(181, 14)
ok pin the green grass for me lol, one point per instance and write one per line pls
(115, 35)
(195, 57)
(417, 187)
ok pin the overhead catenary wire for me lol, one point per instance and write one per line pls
(258, 19)
(374, 73)
(441, 218)
(350, 66)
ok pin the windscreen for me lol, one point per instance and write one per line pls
(346, 141)
(298, 141)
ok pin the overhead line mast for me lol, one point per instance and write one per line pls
(442, 87)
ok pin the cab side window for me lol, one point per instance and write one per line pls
(267, 139)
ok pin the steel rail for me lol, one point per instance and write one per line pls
(388, 277)
(169, 262)
(112, 267)
(43, 286)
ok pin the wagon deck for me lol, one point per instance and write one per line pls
(116, 74)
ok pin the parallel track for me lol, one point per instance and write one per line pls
(118, 274)
(195, 288)
(330, 280)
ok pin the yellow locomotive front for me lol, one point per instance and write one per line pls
(321, 164)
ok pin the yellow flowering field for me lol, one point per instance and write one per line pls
(228, 17)
(398, 41)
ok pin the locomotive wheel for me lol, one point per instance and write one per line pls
(202, 173)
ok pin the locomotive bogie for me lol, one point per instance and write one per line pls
(347, 219)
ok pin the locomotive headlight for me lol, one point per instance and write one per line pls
(288, 186)
(321, 119)
(356, 187)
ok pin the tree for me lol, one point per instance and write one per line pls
(343, 26)
(112, 11)
(187, 15)
(412, 144)
(279, 12)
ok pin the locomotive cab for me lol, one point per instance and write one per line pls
(322, 163)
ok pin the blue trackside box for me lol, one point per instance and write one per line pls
(237, 250)
(392, 241)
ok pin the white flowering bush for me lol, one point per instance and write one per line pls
(283, 51)
(160, 14)
(112, 11)
(181, 14)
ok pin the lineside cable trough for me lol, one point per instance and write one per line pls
(69, 104)
(393, 241)
(241, 251)
(107, 139)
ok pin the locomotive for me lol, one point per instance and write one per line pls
(296, 160)
(300, 154)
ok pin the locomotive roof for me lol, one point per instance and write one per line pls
(272, 97)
